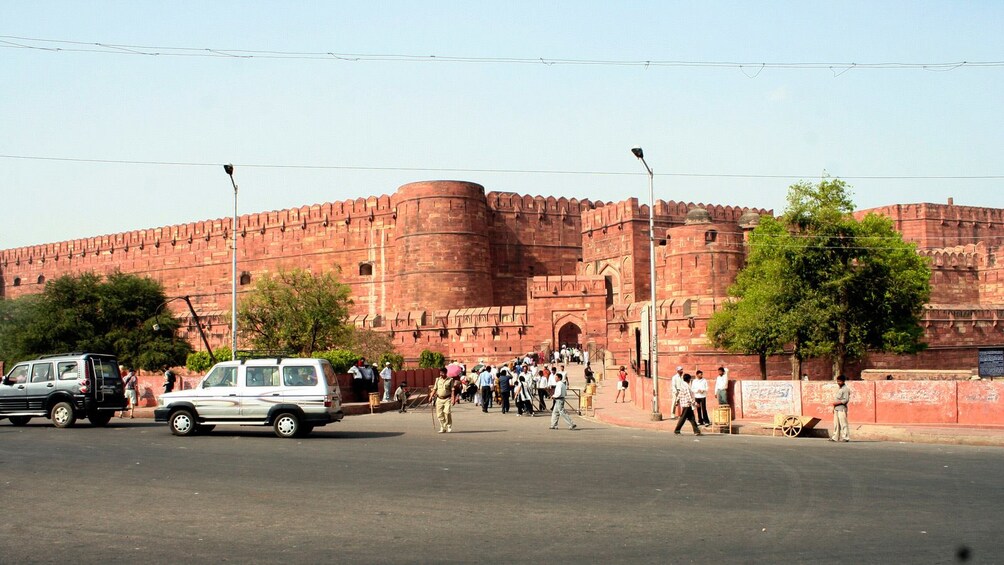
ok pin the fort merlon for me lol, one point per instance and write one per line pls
(449, 267)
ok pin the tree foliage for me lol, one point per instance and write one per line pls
(89, 313)
(825, 283)
(431, 359)
(296, 312)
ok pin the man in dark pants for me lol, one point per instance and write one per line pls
(504, 384)
(685, 399)
(485, 381)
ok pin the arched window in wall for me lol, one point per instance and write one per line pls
(245, 278)
(365, 269)
(17, 281)
(41, 279)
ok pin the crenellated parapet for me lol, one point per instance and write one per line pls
(959, 257)
(943, 225)
(521, 204)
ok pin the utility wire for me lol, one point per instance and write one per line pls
(498, 171)
(751, 68)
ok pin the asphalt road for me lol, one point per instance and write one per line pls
(386, 488)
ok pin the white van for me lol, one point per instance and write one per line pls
(291, 395)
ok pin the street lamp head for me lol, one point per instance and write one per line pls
(638, 152)
(156, 327)
(230, 168)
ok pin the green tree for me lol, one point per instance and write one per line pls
(296, 312)
(759, 321)
(825, 283)
(114, 314)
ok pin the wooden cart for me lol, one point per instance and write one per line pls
(791, 425)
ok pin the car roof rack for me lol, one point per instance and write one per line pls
(70, 354)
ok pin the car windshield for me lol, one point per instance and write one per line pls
(220, 376)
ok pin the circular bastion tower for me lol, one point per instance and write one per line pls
(442, 246)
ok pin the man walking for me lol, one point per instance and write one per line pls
(558, 396)
(840, 430)
(505, 381)
(129, 381)
(686, 402)
(444, 394)
(485, 381)
(386, 375)
(677, 384)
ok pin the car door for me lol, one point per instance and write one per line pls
(261, 391)
(218, 397)
(14, 389)
(300, 387)
(41, 384)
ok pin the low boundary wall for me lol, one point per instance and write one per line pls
(880, 402)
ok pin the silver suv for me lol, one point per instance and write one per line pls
(291, 395)
(64, 388)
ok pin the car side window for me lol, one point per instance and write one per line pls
(299, 376)
(221, 376)
(18, 375)
(41, 372)
(262, 376)
(67, 370)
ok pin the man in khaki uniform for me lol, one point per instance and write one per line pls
(444, 393)
(840, 400)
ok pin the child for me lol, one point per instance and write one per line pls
(401, 395)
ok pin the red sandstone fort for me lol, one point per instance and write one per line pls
(445, 266)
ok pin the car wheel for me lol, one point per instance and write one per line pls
(205, 429)
(286, 425)
(19, 420)
(62, 415)
(100, 419)
(305, 430)
(182, 423)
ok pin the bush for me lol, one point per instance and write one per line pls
(431, 360)
(199, 362)
(396, 361)
(340, 359)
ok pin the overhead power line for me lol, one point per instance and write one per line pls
(750, 68)
(493, 171)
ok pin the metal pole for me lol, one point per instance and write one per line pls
(653, 348)
(233, 289)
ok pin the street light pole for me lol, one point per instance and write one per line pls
(233, 288)
(653, 348)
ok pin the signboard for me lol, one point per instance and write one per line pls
(992, 362)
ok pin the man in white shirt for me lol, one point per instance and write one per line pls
(386, 375)
(558, 394)
(722, 386)
(676, 385)
(699, 387)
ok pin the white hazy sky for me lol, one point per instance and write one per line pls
(344, 129)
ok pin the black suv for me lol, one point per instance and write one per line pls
(63, 388)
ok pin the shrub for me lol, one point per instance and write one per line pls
(340, 359)
(396, 361)
(431, 360)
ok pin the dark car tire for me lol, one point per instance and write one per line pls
(19, 420)
(286, 425)
(182, 423)
(62, 415)
(100, 419)
(304, 430)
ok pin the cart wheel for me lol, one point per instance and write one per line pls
(792, 426)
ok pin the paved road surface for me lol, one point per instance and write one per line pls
(387, 489)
